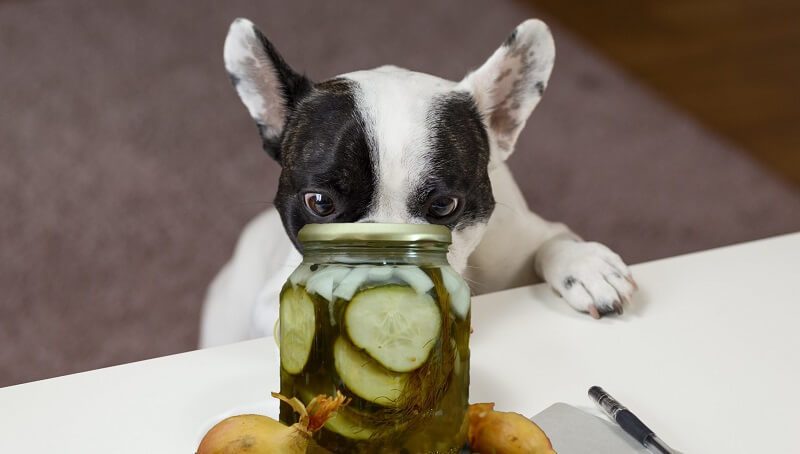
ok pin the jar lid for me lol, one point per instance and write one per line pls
(365, 231)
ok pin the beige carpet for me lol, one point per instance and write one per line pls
(128, 166)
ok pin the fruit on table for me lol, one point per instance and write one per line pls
(365, 377)
(297, 328)
(496, 432)
(258, 434)
(490, 432)
(396, 325)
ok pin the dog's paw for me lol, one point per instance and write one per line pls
(589, 276)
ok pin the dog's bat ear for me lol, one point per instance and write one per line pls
(511, 82)
(269, 88)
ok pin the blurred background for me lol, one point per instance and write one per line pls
(128, 165)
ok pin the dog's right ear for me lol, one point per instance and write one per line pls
(509, 85)
(269, 88)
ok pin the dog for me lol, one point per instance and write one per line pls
(397, 146)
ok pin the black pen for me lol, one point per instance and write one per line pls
(628, 421)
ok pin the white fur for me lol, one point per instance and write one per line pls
(244, 56)
(395, 102)
(507, 82)
(516, 247)
(238, 302)
(599, 276)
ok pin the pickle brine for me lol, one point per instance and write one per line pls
(392, 338)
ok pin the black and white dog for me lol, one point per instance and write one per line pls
(397, 146)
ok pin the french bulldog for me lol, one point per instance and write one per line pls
(391, 145)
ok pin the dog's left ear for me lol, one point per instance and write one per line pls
(269, 88)
(511, 82)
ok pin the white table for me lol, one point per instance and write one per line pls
(709, 358)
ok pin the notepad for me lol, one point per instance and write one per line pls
(573, 431)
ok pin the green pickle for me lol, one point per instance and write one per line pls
(392, 337)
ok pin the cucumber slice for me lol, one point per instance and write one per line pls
(344, 422)
(346, 425)
(350, 284)
(366, 378)
(322, 282)
(296, 329)
(458, 290)
(414, 277)
(396, 325)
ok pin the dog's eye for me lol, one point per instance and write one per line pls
(441, 207)
(319, 204)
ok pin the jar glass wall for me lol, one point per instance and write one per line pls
(385, 320)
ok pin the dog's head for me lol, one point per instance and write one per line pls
(390, 145)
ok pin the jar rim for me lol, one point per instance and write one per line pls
(367, 231)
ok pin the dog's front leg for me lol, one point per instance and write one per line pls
(518, 246)
(588, 275)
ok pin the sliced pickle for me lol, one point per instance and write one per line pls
(396, 325)
(345, 422)
(296, 329)
(365, 377)
(347, 425)
(458, 290)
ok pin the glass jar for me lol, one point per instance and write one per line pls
(376, 312)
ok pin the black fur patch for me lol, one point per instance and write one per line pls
(511, 38)
(294, 87)
(325, 149)
(271, 145)
(540, 87)
(459, 153)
